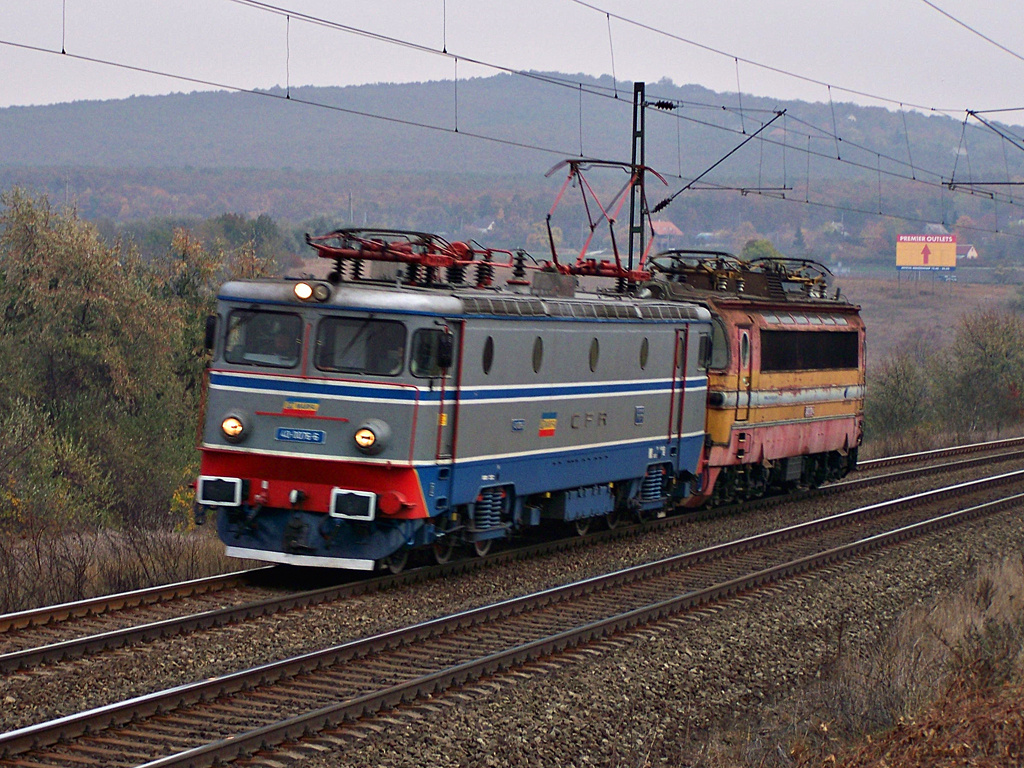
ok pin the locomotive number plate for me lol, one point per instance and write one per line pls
(288, 435)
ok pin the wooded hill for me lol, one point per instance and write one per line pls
(205, 154)
(240, 130)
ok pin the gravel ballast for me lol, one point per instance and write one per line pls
(658, 693)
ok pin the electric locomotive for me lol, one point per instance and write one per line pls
(786, 379)
(353, 420)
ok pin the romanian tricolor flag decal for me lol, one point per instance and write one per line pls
(300, 407)
(548, 422)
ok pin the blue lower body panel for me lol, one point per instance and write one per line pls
(567, 469)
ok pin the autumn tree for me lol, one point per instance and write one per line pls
(897, 405)
(979, 380)
(88, 373)
(759, 248)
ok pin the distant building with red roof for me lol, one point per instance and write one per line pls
(668, 235)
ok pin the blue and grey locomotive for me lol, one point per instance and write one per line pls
(353, 420)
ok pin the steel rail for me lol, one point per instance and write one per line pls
(244, 744)
(36, 617)
(98, 719)
(151, 595)
(936, 453)
(77, 647)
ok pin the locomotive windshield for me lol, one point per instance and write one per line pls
(255, 337)
(354, 345)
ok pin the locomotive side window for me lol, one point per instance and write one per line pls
(704, 352)
(645, 351)
(538, 354)
(355, 345)
(488, 359)
(719, 347)
(425, 360)
(805, 351)
(595, 353)
(263, 338)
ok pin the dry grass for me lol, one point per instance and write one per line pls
(943, 690)
(922, 313)
(40, 567)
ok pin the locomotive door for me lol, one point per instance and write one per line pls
(678, 409)
(743, 374)
(448, 406)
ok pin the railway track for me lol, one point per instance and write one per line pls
(237, 714)
(940, 453)
(69, 631)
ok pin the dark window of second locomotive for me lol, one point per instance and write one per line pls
(704, 352)
(645, 350)
(808, 351)
(488, 359)
(538, 354)
(719, 345)
(595, 353)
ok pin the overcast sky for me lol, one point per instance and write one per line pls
(902, 50)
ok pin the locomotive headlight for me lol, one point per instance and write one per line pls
(306, 291)
(365, 438)
(371, 437)
(233, 428)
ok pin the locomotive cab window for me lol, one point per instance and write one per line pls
(719, 347)
(704, 352)
(429, 353)
(360, 345)
(256, 337)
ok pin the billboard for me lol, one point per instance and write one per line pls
(926, 252)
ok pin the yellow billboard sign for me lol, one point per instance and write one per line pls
(923, 252)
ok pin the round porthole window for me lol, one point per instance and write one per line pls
(645, 349)
(595, 353)
(538, 353)
(488, 360)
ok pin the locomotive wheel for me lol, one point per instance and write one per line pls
(444, 547)
(481, 548)
(396, 561)
(613, 519)
(582, 525)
